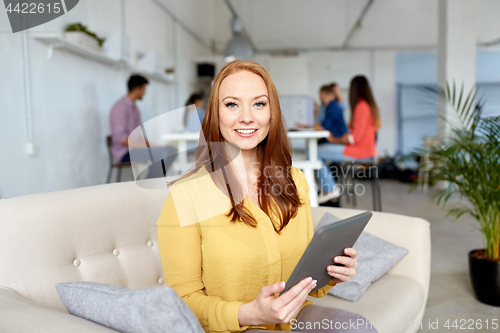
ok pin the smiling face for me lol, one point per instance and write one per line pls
(244, 112)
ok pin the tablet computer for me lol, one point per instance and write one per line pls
(328, 242)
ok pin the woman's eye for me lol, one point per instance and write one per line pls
(231, 105)
(260, 104)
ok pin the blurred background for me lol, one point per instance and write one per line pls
(57, 95)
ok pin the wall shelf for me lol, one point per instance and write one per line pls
(56, 42)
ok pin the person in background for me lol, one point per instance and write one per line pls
(365, 121)
(320, 113)
(333, 121)
(123, 119)
(193, 120)
(338, 98)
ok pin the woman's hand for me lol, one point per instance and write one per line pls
(345, 138)
(343, 274)
(333, 139)
(318, 127)
(268, 309)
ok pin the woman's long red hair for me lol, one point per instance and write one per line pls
(278, 195)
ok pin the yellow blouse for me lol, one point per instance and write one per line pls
(216, 265)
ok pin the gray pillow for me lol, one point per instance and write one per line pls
(375, 257)
(143, 310)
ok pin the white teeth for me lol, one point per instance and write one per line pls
(245, 131)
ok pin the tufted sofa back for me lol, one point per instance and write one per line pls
(104, 233)
(107, 234)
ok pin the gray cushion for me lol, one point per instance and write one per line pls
(143, 310)
(375, 257)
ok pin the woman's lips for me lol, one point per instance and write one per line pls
(246, 135)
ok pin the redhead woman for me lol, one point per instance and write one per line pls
(365, 121)
(233, 229)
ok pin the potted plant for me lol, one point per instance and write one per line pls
(468, 162)
(79, 34)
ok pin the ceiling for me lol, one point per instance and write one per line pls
(324, 24)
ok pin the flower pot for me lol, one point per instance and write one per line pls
(485, 277)
(81, 38)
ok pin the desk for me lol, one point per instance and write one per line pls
(307, 166)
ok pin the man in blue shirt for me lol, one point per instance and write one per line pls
(333, 120)
(331, 115)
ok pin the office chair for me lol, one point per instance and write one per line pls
(348, 170)
(371, 164)
(112, 164)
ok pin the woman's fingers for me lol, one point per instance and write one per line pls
(292, 308)
(294, 295)
(346, 261)
(270, 309)
(351, 252)
(340, 274)
(293, 292)
(293, 311)
(273, 289)
(348, 270)
(340, 277)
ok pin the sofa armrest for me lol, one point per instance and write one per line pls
(19, 315)
(409, 232)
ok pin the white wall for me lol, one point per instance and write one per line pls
(383, 84)
(419, 112)
(290, 74)
(72, 96)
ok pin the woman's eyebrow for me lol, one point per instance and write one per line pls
(236, 98)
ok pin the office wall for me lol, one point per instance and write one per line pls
(420, 67)
(290, 74)
(72, 96)
(419, 118)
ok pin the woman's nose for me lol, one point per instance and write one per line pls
(246, 115)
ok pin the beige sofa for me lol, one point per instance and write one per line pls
(107, 234)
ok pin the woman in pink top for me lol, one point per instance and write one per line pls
(359, 144)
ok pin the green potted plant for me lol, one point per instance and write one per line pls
(468, 162)
(79, 34)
